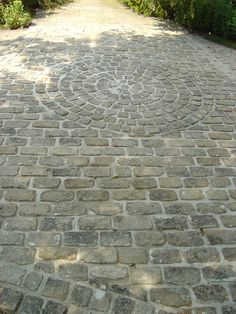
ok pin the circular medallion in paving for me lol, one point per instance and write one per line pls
(138, 96)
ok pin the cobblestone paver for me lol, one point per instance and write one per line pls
(117, 166)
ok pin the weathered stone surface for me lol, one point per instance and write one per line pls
(210, 294)
(229, 253)
(177, 171)
(165, 256)
(21, 161)
(46, 183)
(144, 183)
(92, 195)
(9, 300)
(205, 221)
(101, 301)
(205, 310)
(56, 224)
(53, 307)
(54, 253)
(20, 224)
(218, 272)
(8, 171)
(202, 255)
(135, 291)
(12, 274)
(34, 171)
(184, 238)
(115, 183)
(166, 182)
(220, 182)
(148, 274)
(69, 209)
(19, 255)
(32, 281)
(182, 275)
(45, 267)
(132, 256)
(228, 220)
(191, 195)
(74, 271)
(35, 209)
(147, 171)
(8, 150)
(132, 223)
(117, 166)
(204, 171)
(143, 307)
(108, 272)
(31, 304)
(149, 238)
(179, 208)
(143, 208)
(232, 287)
(57, 196)
(78, 183)
(128, 195)
(116, 238)
(20, 195)
(83, 238)
(228, 309)
(214, 208)
(51, 161)
(10, 182)
(217, 195)
(7, 210)
(163, 195)
(94, 223)
(168, 223)
(55, 288)
(70, 171)
(98, 255)
(232, 194)
(221, 236)
(105, 208)
(73, 309)
(123, 306)
(174, 297)
(43, 239)
(81, 295)
(97, 172)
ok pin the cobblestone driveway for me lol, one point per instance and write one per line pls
(118, 167)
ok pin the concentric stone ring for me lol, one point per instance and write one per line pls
(129, 95)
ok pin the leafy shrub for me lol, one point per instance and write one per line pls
(14, 15)
(31, 5)
(50, 4)
(206, 15)
(1, 14)
(216, 16)
(164, 8)
(149, 8)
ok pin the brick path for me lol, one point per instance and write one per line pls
(118, 166)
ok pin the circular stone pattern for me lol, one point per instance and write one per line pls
(129, 95)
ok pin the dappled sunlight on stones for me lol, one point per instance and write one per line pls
(117, 176)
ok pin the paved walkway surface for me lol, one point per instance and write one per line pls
(118, 166)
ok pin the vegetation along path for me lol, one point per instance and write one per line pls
(117, 166)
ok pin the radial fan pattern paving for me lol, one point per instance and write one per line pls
(128, 94)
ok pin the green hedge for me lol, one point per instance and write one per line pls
(44, 4)
(216, 16)
(13, 15)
